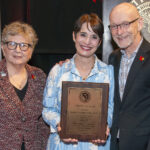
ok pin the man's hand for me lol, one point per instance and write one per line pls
(60, 63)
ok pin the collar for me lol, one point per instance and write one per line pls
(98, 66)
(123, 52)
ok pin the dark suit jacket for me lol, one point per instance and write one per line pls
(18, 119)
(132, 114)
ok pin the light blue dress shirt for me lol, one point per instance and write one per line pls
(101, 73)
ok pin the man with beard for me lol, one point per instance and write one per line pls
(131, 118)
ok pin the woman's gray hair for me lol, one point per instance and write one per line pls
(20, 28)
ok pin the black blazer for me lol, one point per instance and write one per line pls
(132, 114)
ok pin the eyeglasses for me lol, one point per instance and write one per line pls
(13, 45)
(124, 25)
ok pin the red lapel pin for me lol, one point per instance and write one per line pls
(33, 76)
(141, 58)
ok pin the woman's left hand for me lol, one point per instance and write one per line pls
(99, 141)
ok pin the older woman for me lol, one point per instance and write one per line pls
(21, 90)
(83, 67)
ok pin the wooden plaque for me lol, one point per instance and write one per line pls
(84, 108)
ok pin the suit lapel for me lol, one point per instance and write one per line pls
(116, 71)
(135, 69)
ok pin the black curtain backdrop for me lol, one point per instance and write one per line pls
(53, 21)
(13, 10)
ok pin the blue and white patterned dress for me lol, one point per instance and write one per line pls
(101, 73)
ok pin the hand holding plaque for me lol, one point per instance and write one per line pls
(84, 110)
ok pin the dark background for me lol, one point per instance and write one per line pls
(53, 21)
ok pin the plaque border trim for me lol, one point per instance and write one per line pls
(104, 110)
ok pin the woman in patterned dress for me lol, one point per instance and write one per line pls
(83, 67)
(21, 92)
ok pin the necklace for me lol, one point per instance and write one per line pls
(84, 66)
(85, 72)
(86, 76)
(18, 80)
(19, 84)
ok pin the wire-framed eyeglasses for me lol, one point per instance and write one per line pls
(13, 45)
(124, 25)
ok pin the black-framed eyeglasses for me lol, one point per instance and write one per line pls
(13, 45)
(124, 25)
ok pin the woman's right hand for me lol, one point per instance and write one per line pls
(58, 127)
(68, 140)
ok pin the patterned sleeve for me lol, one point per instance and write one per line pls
(51, 108)
(111, 96)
